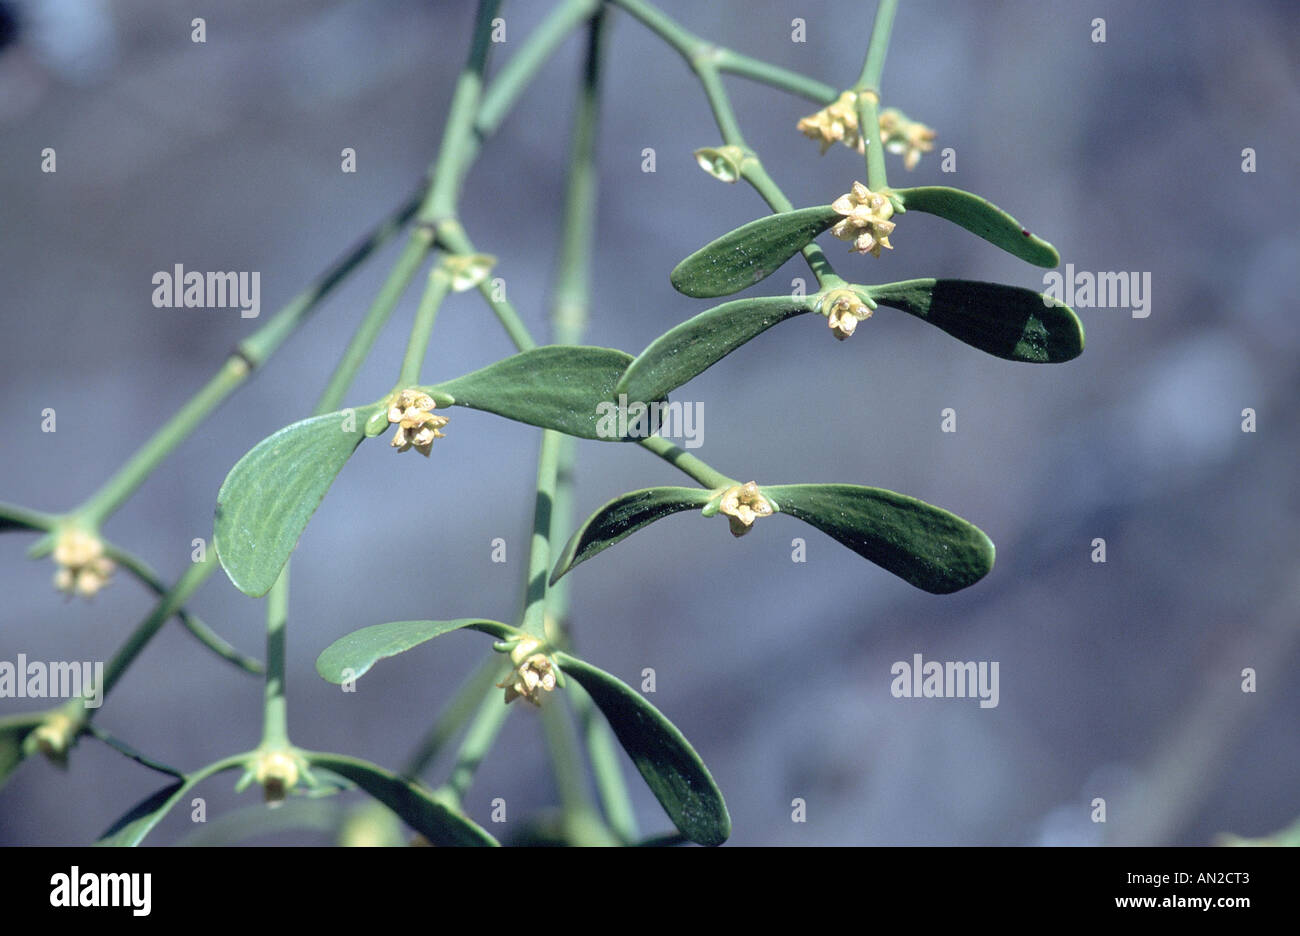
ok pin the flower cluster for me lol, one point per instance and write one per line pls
(835, 123)
(83, 567)
(844, 308)
(54, 737)
(277, 773)
(908, 138)
(743, 504)
(838, 123)
(417, 425)
(866, 219)
(533, 674)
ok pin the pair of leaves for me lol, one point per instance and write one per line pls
(416, 806)
(924, 545)
(753, 251)
(671, 768)
(1009, 322)
(272, 492)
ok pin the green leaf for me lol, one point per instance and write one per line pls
(418, 807)
(750, 253)
(1006, 321)
(670, 766)
(622, 517)
(353, 654)
(556, 387)
(980, 217)
(268, 497)
(921, 544)
(13, 732)
(131, 828)
(698, 343)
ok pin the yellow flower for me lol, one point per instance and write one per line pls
(743, 504)
(54, 737)
(533, 674)
(83, 567)
(844, 309)
(277, 772)
(866, 219)
(837, 122)
(909, 137)
(416, 424)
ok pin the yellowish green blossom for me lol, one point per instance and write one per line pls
(743, 504)
(844, 309)
(866, 219)
(412, 411)
(83, 567)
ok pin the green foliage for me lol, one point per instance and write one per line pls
(556, 387)
(921, 544)
(750, 253)
(982, 218)
(271, 493)
(351, 656)
(1006, 321)
(269, 496)
(671, 768)
(622, 517)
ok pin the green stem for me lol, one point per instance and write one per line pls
(516, 75)
(566, 759)
(454, 715)
(458, 149)
(569, 311)
(706, 70)
(11, 515)
(683, 461)
(667, 29)
(204, 634)
(706, 61)
(869, 116)
(252, 353)
(422, 329)
(753, 172)
(868, 91)
(874, 64)
(275, 726)
(774, 76)
(483, 731)
(188, 583)
(453, 239)
(358, 349)
(539, 550)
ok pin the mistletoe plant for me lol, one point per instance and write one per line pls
(271, 493)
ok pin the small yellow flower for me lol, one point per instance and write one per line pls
(743, 504)
(277, 772)
(908, 137)
(54, 737)
(844, 309)
(416, 424)
(533, 674)
(83, 567)
(835, 123)
(866, 219)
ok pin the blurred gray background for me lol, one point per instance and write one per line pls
(1119, 680)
